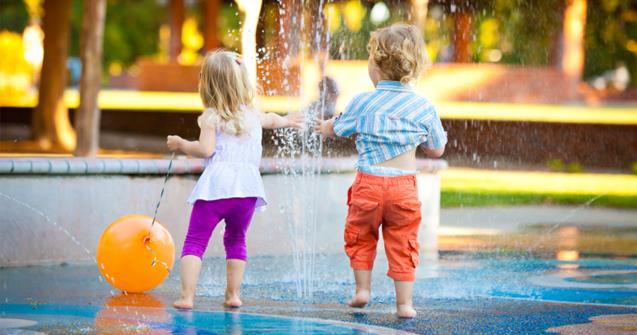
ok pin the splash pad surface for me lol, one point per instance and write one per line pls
(461, 293)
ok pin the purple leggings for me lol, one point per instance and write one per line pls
(237, 213)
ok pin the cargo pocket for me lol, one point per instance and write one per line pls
(351, 241)
(358, 206)
(361, 212)
(408, 205)
(406, 211)
(414, 247)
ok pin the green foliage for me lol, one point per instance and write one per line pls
(473, 199)
(523, 31)
(611, 37)
(230, 27)
(574, 168)
(555, 165)
(13, 15)
(131, 29)
(438, 32)
(347, 44)
(633, 168)
(528, 29)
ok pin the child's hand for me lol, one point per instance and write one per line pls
(173, 142)
(296, 120)
(324, 128)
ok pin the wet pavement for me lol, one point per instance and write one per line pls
(575, 274)
(460, 294)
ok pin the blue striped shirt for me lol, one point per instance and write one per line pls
(389, 121)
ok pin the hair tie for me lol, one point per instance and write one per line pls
(238, 60)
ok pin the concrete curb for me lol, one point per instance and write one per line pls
(181, 166)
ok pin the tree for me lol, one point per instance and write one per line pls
(88, 113)
(611, 31)
(572, 60)
(52, 128)
(211, 11)
(13, 15)
(177, 14)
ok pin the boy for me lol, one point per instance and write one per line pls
(391, 123)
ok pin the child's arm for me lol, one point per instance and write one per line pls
(343, 125)
(433, 153)
(203, 148)
(434, 147)
(274, 121)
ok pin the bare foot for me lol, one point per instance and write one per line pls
(360, 299)
(405, 311)
(232, 300)
(183, 303)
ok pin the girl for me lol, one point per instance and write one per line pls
(230, 187)
(391, 123)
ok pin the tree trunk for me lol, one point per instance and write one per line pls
(572, 60)
(52, 128)
(88, 114)
(177, 16)
(210, 24)
(462, 37)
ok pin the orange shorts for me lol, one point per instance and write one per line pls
(390, 203)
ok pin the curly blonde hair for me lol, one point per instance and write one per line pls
(225, 91)
(399, 52)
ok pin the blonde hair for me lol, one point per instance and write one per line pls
(225, 91)
(399, 52)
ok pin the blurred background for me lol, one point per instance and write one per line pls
(534, 85)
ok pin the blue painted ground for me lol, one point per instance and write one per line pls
(64, 319)
(460, 294)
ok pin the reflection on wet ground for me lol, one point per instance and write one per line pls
(562, 241)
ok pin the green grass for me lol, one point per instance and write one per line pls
(472, 199)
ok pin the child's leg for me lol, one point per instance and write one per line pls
(404, 305)
(190, 268)
(234, 240)
(401, 247)
(400, 233)
(363, 280)
(360, 246)
(203, 220)
(361, 235)
(234, 274)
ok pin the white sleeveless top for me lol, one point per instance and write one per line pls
(233, 169)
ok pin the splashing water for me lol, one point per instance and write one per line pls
(563, 220)
(51, 222)
(299, 152)
(302, 169)
(74, 239)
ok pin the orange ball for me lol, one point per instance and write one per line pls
(134, 256)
